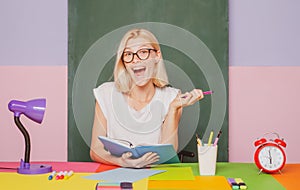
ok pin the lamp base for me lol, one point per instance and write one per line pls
(27, 168)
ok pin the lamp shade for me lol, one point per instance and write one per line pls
(33, 109)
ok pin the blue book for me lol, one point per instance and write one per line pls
(166, 152)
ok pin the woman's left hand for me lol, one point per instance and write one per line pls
(187, 99)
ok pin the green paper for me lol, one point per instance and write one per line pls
(250, 175)
(246, 171)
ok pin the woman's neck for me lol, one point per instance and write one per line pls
(143, 93)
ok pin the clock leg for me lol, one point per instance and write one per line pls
(279, 171)
(260, 171)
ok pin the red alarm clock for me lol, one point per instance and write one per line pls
(269, 156)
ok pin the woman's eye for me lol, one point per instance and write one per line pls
(127, 53)
(143, 51)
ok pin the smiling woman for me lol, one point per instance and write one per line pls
(147, 51)
(138, 106)
(138, 69)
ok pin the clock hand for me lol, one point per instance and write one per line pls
(270, 157)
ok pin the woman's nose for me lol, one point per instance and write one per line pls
(135, 58)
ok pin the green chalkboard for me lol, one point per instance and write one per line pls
(194, 41)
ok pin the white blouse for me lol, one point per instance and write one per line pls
(125, 123)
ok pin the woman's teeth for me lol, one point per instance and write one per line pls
(138, 70)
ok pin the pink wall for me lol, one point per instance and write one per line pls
(261, 100)
(49, 140)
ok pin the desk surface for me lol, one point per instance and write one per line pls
(247, 171)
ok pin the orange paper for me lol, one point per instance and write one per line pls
(200, 182)
(104, 167)
(289, 177)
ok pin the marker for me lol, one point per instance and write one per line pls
(69, 174)
(108, 186)
(51, 176)
(210, 138)
(114, 186)
(232, 183)
(240, 182)
(198, 140)
(217, 139)
(126, 185)
(64, 175)
(204, 93)
(58, 176)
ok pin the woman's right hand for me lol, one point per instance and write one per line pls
(144, 161)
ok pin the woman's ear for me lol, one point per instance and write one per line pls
(158, 55)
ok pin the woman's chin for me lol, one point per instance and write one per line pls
(141, 81)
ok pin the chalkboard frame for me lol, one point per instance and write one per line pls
(88, 22)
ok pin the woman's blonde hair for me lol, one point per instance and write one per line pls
(122, 78)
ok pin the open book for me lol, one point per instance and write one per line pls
(166, 152)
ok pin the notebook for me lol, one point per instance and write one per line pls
(166, 152)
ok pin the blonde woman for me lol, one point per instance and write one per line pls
(138, 106)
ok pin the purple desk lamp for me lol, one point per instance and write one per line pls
(34, 110)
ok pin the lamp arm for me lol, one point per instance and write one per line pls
(26, 137)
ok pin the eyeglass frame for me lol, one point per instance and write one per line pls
(136, 53)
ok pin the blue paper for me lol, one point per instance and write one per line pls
(124, 174)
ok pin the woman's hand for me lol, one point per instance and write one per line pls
(187, 99)
(144, 161)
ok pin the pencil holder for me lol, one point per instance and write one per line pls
(207, 159)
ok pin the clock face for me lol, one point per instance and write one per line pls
(271, 158)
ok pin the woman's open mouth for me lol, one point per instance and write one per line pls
(139, 71)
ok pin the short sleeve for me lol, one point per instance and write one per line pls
(168, 95)
(102, 95)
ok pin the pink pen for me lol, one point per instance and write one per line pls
(217, 139)
(208, 92)
(204, 93)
